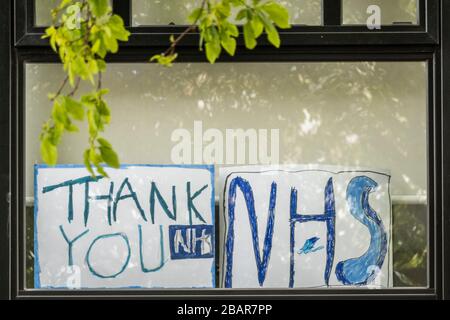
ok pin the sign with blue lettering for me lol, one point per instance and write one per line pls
(146, 226)
(191, 242)
(303, 227)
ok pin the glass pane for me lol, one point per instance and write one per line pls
(348, 114)
(391, 11)
(42, 13)
(164, 12)
(43, 16)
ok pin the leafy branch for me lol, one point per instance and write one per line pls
(218, 29)
(85, 31)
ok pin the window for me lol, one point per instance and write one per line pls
(335, 98)
(155, 12)
(350, 114)
(391, 11)
(42, 14)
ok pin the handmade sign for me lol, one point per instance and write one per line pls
(145, 226)
(303, 227)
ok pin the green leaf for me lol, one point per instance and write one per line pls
(101, 170)
(64, 3)
(116, 25)
(49, 152)
(93, 128)
(278, 14)
(213, 50)
(111, 43)
(273, 36)
(229, 44)
(93, 67)
(80, 67)
(104, 143)
(96, 46)
(59, 111)
(99, 7)
(94, 158)
(249, 36)
(195, 15)
(74, 108)
(70, 127)
(163, 60)
(257, 26)
(55, 133)
(50, 31)
(101, 64)
(87, 163)
(89, 100)
(110, 157)
(241, 15)
(53, 43)
(103, 108)
(233, 30)
(102, 92)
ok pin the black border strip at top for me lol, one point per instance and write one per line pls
(331, 33)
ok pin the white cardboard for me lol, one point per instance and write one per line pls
(109, 254)
(352, 238)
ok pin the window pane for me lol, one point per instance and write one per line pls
(391, 11)
(349, 114)
(43, 16)
(42, 13)
(164, 12)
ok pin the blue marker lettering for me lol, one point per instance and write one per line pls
(106, 236)
(190, 202)
(70, 243)
(155, 192)
(261, 264)
(141, 251)
(360, 271)
(329, 217)
(131, 195)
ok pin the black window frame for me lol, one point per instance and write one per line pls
(330, 33)
(428, 41)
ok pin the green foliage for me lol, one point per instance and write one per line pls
(86, 32)
(164, 60)
(216, 23)
(99, 7)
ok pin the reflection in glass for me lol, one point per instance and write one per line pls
(392, 11)
(164, 12)
(43, 16)
(356, 114)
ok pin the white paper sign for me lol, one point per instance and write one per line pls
(305, 228)
(147, 226)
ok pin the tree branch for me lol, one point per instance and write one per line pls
(189, 29)
(61, 88)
